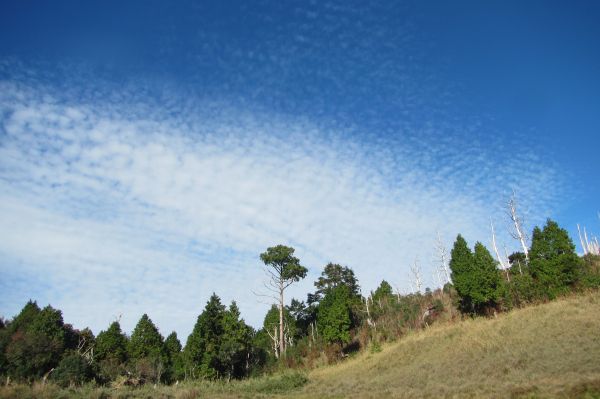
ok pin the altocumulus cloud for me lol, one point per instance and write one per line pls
(119, 209)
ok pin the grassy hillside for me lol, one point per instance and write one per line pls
(547, 350)
(551, 350)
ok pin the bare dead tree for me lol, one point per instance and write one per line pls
(86, 351)
(583, 246)
(504, 263)
(438, 278)
(275, 339)
(442, 257)
(590, 246)
(369, 319)
(416, 275)
(517, 221)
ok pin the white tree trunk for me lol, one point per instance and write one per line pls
(442, 257)
(504, 265)
(417, 279)
(514, 217)
(281, 335)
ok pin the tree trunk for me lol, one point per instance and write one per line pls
(281, 337)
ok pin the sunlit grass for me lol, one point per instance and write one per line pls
(542, 351)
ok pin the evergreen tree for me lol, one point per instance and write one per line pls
(475, 277)
(234, 348)
(173, 348)
(334, 275)
(145, 340)
(486, 286)
(146, 350)
(202, 347)
(334, 315)
(111, 344)
(29, 313)
(73, 369)
(303, 316)
(461, 265)
(37, 341)
(172, 344)
(271, 327)
(553, 261)
(383, 291)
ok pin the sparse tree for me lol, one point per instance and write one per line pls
(283, 269)
(442, 258)
(503, 262)
(589, 246)
(518, 233)
(416, 276)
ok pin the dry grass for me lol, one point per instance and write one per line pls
(550, 350)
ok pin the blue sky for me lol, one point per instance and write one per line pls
(150, 151)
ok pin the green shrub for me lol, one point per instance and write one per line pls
(281, 383)
(375, 347)
(72, 370)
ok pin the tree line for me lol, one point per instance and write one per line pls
(334, 321)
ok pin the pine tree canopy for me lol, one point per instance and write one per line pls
(146, 341)
(334, 275)
(553, 261)
(111, 344)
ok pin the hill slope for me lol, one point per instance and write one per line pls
(546, 350)
(550, 350)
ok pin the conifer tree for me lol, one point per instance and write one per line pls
(145, 341)
(234, 347)
(334, 275)
(487, 281)
(553, 261)
(475, 277)
(461, 265)
(37, 341)
(111, 344)
(383, 291)
(334, 315)
(271, 327)
(173, 348)
(202, 347)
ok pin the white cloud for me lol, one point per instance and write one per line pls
(126, 209)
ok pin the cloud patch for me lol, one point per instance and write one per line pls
(123, 208)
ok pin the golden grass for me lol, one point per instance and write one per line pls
(545, 351)
(550, 350)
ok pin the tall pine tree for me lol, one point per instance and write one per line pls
(461, 265)
(487, 281)
(234, 348)
(111, 344)
(201, 350)
(145, 340)
(175, 370)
